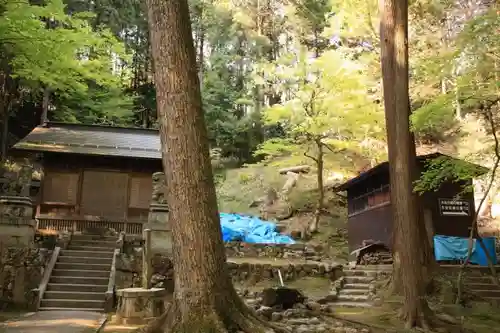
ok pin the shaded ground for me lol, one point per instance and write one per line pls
(310, 286)
(55, 322)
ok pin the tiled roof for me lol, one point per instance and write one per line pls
(93, 140)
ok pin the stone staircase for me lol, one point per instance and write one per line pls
(80, 277)
(355, 291)
(478, 282)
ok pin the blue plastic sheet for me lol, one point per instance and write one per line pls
(250, 230)
(455, 248)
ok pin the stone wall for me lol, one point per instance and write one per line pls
(129, 267)
(21, 270)
(285, 251)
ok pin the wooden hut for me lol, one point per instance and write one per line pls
(94, 176)
(449, 211)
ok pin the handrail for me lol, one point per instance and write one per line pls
(46, 276)
(110, 293)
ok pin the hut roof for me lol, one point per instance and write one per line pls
(93, 140)
(384, 167)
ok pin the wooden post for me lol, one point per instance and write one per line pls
(146, 260)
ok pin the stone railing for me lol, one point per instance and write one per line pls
(21, 271)
(284, 251)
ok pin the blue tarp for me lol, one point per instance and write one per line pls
(455, 248)
(251, 230)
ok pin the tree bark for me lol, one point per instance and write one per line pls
(204, 297)
(410, 260)
(45, 106)
(314, 226)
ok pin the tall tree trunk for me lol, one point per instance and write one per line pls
(409, 257)
(204, 297)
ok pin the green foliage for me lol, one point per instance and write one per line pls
(47, 49)
(444, 169)
(435, 119)
(330, 105)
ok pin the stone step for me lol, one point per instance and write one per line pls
(98, 281)
(88, 237)
(77, 287)
(355, 272)
(352, 298)
(94, 247)
(107, 244)
(481, 286)
(364, 286)
(477, 279)
(78, 272)
(84, 260)
(82, 266)
(88, 254)
(72, 303)
(73, 295)
(358, 279)
(374, 267)
(353, 292)
(492, 293)
(70, 309)
(352, 304)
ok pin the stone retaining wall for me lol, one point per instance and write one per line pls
(21, 270)
(129, 268)
(285, 251)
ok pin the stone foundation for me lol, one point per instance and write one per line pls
(21, 270)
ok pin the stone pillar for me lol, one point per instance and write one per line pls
(17, 227)
(161, 234)
(137, 306)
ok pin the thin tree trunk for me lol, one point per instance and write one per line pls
(5, 134)
(314, 226)
(204, 297)
(45, 106)
(409, 261)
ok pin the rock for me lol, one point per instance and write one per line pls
(276, 316)
(282, 297)
(314, 306)
(265, 312)
(328, 298)
(304, 329)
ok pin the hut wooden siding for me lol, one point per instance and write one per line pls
(97, 189)
(370, 211)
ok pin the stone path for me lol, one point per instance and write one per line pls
(55, 322)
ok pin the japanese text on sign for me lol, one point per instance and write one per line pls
(452, 207)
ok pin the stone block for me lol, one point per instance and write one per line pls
(17, 227)
(137, 306)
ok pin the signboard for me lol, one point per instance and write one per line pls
(454, 207)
